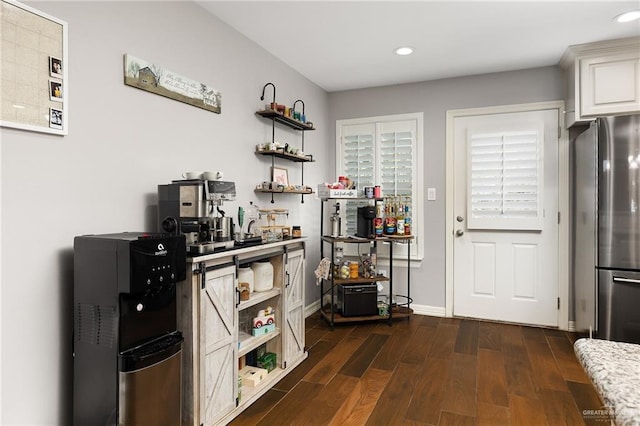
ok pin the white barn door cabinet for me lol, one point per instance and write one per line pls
(217, 328)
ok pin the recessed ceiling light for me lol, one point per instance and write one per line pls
(403, 51)
(628, 16)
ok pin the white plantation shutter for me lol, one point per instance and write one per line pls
(380, 151)
(358, 164)
(505, 179)
(396, 153)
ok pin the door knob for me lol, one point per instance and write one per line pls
(459, 233)
(460, 218)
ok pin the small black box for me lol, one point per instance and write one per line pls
(358, 299)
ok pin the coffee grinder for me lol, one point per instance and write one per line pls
(192, 207)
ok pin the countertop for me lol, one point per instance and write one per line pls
(244, 250)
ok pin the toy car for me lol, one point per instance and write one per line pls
(265, 317)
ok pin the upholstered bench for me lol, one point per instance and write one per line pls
(614, 369)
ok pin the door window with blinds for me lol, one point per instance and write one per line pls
(381, 151)
(505, 178)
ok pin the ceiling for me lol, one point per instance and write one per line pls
(341, 45)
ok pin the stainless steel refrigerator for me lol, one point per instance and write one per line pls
(606, 228)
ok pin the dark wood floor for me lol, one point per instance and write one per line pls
(431, 371)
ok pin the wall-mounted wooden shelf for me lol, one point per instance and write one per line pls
(287, 121)
(286, 156)
(278, 191)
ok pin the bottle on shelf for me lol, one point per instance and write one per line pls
(336, 222)
(337, 262)
(399, 216)
(389, 216)
(378, 221)
(407, 215)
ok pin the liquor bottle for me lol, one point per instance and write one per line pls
(399, 217)
(390, 217)
(378, 221)
(407, 216)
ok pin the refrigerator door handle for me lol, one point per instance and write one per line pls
(625, 280)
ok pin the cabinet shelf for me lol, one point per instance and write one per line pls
(361, 240)
(249, 393)
(396, 312)
(286, 156)
(360, 280)
(257, 297)
(287, 121)
(247, 342)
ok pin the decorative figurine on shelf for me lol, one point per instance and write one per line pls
(265, 322)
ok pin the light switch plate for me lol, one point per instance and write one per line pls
(431, 194)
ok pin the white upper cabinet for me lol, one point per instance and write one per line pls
(602, 78)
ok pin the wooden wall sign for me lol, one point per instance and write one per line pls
(155, 79)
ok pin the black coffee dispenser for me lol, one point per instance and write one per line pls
(365, 228)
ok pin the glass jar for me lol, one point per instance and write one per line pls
(344, 270)
(353, 269)
(246, 275)
(263, 275)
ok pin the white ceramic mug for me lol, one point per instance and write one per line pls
(212, 175)
(192, 175)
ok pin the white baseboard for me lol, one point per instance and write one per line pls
(572, 326)
(311, 309)
(434, 311)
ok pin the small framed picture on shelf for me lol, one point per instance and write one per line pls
(280, 175)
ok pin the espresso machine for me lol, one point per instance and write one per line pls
(193, 207)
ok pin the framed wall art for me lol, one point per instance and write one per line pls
(280, 175)
(34, 72)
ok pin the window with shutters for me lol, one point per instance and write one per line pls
(382, 151)
(505, 179)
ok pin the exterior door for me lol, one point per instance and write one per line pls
(218, 343)
(505, 244)
(294, 306)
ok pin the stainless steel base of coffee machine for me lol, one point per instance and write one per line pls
(209, 247)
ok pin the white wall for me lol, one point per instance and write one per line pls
(434, 98)
(102, 177)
